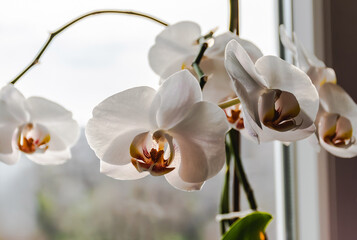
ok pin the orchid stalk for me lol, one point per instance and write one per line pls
(61, 29)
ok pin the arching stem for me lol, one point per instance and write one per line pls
(55, 33)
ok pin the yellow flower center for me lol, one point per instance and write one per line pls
(234, 116)
(153, 155)
(32, 138)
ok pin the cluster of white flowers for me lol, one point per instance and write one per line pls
(337, 117)
(179, 130)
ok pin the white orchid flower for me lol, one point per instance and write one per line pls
(177, 46)
(307, 61)
(279, 102)
(41, 129)
(169, 132)
(337, 127)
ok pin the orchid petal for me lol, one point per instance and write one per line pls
(8, 154)
(247, 82)
(118, 151)
(6, 117)
(286, 40)
(320, 76)
(349, 152)
(201, 145)
(176, 181)
(286, 77)
(220, 42)
(334, 99)
(175, 42)
(219, 86)
(174, 98)
(57, 119)
(6, 138)
(10, 159)
(50, 157)
(15, 102)
(309, 57)
(121, 112)
(121, 172)
(330, 75)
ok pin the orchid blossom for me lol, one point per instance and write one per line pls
(337, 123)
(306, 61)
(177, 46)
(278, 100)
(169, 132)
(41, 129)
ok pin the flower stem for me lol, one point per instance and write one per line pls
(229, 103)
(55, 33)
(224, 206)
(196, 65)
(234, 136)
(234, 16)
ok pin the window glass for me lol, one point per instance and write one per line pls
(92, 60)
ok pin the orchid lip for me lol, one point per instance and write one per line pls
(278, 109)
(32, 138)
(234, 116)
(153, 155)
(336, 130)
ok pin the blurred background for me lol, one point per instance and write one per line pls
(90, 61)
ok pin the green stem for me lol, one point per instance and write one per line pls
(234, 27)
(224, 206)
(234, 137)
(196, 65)
(229, 103)
(234, 16)
(55, 33)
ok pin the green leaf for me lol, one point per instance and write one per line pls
(251, 227)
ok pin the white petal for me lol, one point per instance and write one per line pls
(281, 75)
(11, 158)
(50, 157)
(118, 152)
(340, 152)
(334, 99)
(219, 85)
(220, 42)
(330, 75)
(286, 40)
(8, 152)
(15, 102)
(304, 58)
(6, 117)
(6, 138)
(176, 66)
(56, 118)
(309, 56)
(121, 112)
(175, 42)
(175, 96)
(266, 134)
(201, 140)
(248, 84)
(56, 143)
(176, 181)
(121, 172)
